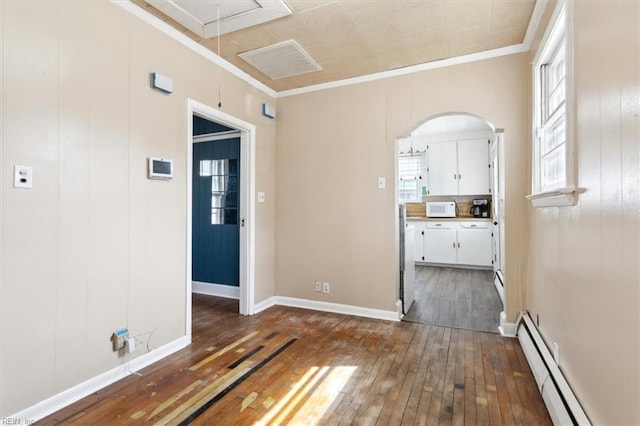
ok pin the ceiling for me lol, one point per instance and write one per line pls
(351, 38)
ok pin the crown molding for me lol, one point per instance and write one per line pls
(193, 45)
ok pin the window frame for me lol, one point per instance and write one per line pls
(559, 31)
(417, 179)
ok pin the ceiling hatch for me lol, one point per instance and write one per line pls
(201, 17)
(281, 60)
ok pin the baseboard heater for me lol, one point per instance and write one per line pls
(563, 407)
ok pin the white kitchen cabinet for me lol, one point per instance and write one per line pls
(418, 240)
(474, 245)
(443, 169)
(456, 243)
(458, 168)
(473, 167)
(440, 243)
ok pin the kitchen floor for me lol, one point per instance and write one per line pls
(452, 297)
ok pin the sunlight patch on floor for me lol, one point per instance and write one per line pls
(311, 396)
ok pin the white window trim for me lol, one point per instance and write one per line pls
(567, 193)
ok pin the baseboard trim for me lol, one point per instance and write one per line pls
(337, 308)
(220, 290)
(265, 304)
(507, 329)
(79, 391)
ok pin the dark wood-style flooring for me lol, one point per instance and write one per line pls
(294, 366)
(452, 297)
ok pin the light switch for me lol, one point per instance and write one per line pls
(23, 177)
(261, 197)
(382, 183)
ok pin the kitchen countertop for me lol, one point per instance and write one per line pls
(449, 219)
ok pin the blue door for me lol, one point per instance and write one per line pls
(216, 215)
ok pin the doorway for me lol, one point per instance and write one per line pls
(450, 159)
(216, 222)
(244, 135)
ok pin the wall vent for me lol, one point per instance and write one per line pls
(281, 60)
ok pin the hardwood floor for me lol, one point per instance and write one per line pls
(460, 298)
(294, 366)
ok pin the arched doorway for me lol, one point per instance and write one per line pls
(449, 182)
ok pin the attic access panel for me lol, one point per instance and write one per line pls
(201, 16)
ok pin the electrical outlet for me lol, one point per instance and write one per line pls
(556, 353)
(119, 338)
(130, 344)
(326, 288)
(318, 286)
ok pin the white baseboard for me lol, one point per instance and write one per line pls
(265, 304)
(337, 308)
(507, 329)
(226, 291)
(79, 391)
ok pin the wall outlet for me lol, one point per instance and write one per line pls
(119, 338)
(130, 344)
(318, 286)
(326, 288)
(23, 177)
(556, 353)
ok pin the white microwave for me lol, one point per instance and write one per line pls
(441, 209)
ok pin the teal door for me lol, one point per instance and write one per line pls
(216, 215)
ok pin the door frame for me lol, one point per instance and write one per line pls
(397, 147)
(246, 203)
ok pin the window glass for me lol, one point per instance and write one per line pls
(409, 174)
(550, 160)
(224, 190)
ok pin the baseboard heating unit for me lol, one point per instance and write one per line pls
(563, 407)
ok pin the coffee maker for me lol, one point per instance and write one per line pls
(480, 208)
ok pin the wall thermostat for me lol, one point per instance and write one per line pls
(160, 168)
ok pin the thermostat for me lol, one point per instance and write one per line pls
(160, 168)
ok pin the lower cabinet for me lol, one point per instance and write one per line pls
(474, 245)
(440, 244)
(453, 242)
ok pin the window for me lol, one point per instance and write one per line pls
(224, 190)
(552, 152)
(410, 179)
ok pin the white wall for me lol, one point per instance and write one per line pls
(95, 245)
(334, 224)
(585, 260)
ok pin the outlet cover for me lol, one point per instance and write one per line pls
(318, 286)
(23, 177)
(326, 288)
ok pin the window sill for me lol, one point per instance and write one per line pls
(560, 197)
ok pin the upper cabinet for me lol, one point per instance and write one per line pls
(458, 167)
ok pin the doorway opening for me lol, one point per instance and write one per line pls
(451, 194)
(228, 178)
